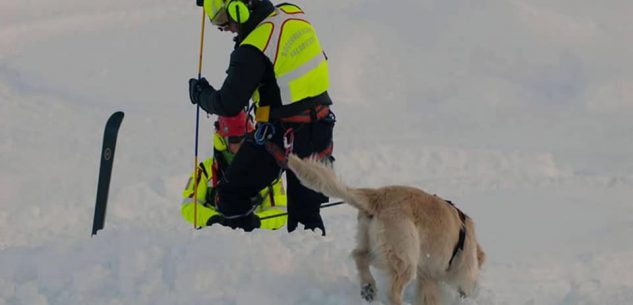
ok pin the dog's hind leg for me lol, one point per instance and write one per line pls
(401, 249)
(367, 281)
(398, 283)
(427, 291)
(362, 258)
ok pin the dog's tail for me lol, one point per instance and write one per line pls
(319, 177)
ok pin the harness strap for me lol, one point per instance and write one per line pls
(265, 132)
(281, 156)
(251, 211)
(199, 170)
(204, 170)
(215, 167)
(278, 153)
(462, 234)
(271, 195)
(313, 114)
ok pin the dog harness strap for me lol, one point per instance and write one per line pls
(462, 235)
(459, 246)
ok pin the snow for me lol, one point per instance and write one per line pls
(518, 111)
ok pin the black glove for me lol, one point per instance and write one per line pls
(310, 222)
(196, 87)
(200, 2)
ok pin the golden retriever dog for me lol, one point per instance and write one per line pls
(406, 232)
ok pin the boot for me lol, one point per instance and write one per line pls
(247, 223)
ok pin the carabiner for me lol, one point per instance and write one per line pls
(264, 132)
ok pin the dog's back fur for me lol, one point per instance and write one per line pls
(405, 231)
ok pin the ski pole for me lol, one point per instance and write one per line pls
(195, 164)
(327, 205)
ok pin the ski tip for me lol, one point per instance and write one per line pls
(115, 120)
(117, 116)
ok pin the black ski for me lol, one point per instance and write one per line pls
(105, 169)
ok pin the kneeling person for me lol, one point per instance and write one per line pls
(229, 135)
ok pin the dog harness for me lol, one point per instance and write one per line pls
(462, 234)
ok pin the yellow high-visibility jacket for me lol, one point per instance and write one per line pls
(291, 45)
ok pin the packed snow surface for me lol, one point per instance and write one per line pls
(518, 111)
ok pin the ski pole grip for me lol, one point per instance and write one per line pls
(200, 2)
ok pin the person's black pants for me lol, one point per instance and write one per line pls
(254, 168)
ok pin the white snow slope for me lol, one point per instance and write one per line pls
(519, 111)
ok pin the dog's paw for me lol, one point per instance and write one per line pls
(368, 292)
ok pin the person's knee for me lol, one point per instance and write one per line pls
(233, 203)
